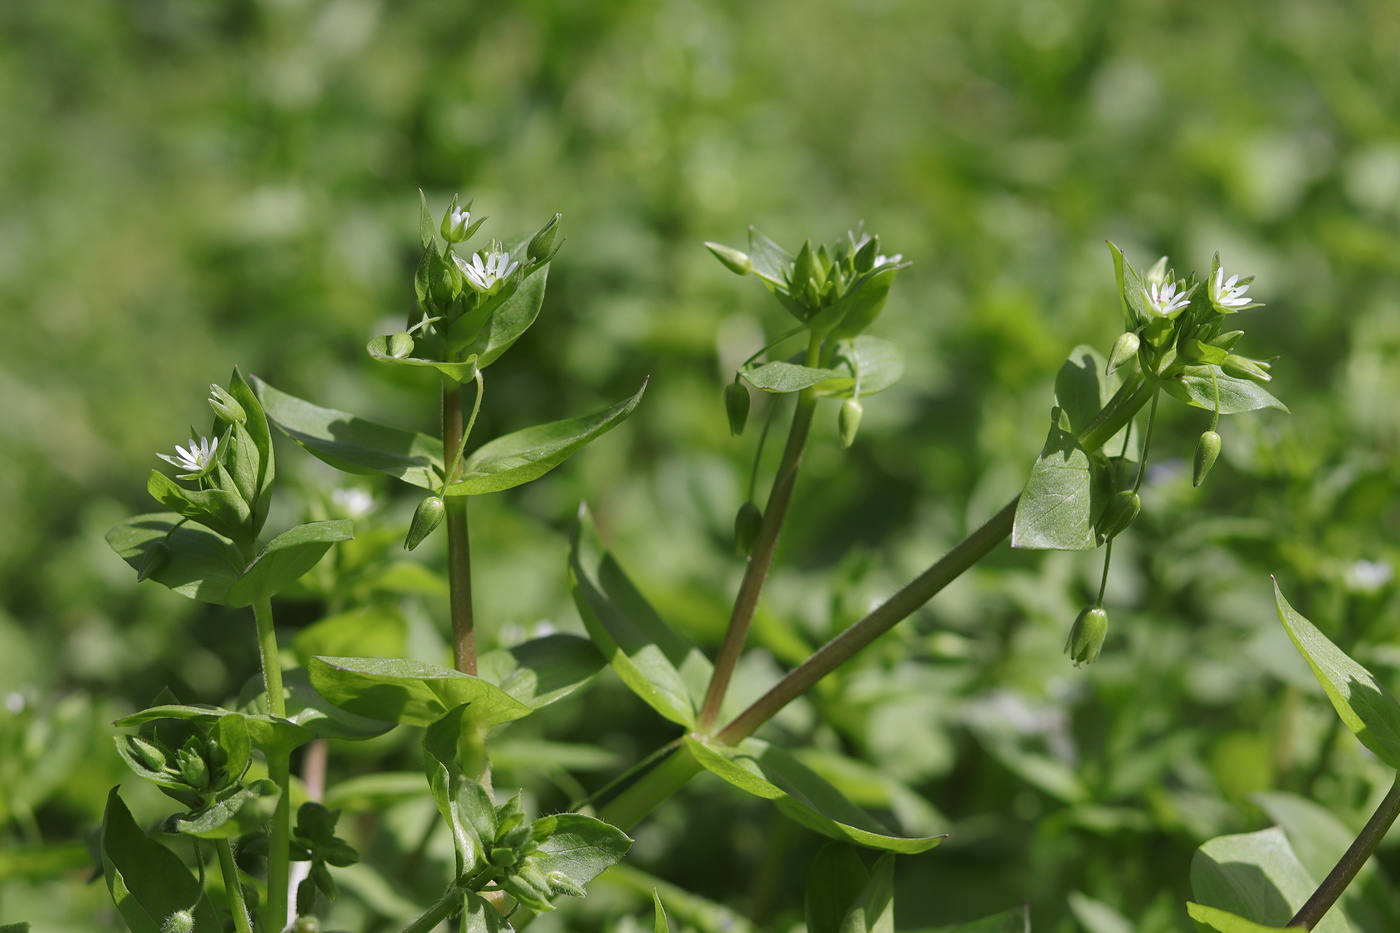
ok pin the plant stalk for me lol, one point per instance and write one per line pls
(764, 546)
(237, 906)
(279, 770)
(459, 566)
(1311, 913)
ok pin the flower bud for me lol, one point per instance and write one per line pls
(733, 260)
(1119, 513)
(746, 528)
(848, 421)
(542, 243)
(736, 406)
(1207, 449)
(455, 223)
(1246, 368)
(194, 770)
(426, 518)
(306, 924)
(226, 406)
(865, 256)
(1087, 635)
(156, 556)
(1124, 349)
(400, 345)
(147, 753)
(181, 921)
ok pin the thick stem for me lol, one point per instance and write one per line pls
(459, 567)
(237, 906)
(761, 558)
(1311, 913)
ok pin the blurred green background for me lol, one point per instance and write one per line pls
(189, 185)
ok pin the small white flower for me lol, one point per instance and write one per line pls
(1226, 294)
(1368, 576)
(459, 218)
(1163, 301)
(199, 460)
(888, 260)
(485, 276)
(353, 502)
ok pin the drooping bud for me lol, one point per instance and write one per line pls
(746, 528)
(1119, 513)
(156, 556)
(848, 421)
(400, 345)
(735, 261)
(736, 406)
(1207, 449)
(542, 243)
(1087, 636)
(1124, 349)
(226, 406)
(426, 518)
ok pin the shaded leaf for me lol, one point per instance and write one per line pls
(780, 377)
(148, 882)
(1256, 876)
(463, 371)
(286, 558)
(410, 692)
(1226, 922)
(580, 847)
(543, 670)
(1193, 385)
(834, 881)
(201, 564)
(873, 909)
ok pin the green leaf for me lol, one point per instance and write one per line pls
(426, 227)
(1081, 388)
(286, 558)
(201, 564)
(21, 927)
(373, 631)
(834, 881)
(514, 316)
(220, 819)
(1363, 705)
(266, 732)
(441, 757)
(874, 362)
(580, 847)
(659, 924)
(353, 444)
(654, 661)
(463, 371)
(257, 431)
(410, 692)
(1056, 509)
(873, 910)
(1257, 876)
(529, 454)
(543, 670)
(223, 511)
(770, 260)
(863, 303)
(319, 716)
(1015, 920)
(1096, 916)
(481, 916)
(1226, 922)
(148, 882)
(780, 377)
(765, 771)
(1193, 385)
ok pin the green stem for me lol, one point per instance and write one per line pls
(1103, 580)
(237, 906)
(764, 545)
(459, 567)
(669, 774)
(1337, 880)
(1146, 442)
(440, 911)
(279, 770)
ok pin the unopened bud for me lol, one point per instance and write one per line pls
(426, 518)
(733, 260)
(181, 921)
(1087, 636)
(226, 406)
(865, 256)
(1246, 368)
(746, 524)
(400, 345)
(1207, 449)
(542, 242)
(455, 223)
(147, 753)
(736, 406)
(156, 556)
(1124, 349)
(848, 421)
(1119, 513)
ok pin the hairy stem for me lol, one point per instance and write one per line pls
(1337, 880)
(764, 546)
(237, 906)
(459, 566)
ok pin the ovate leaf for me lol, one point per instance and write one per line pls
(1056, 509)
(1194, 386)
(780, 377)
(1364, 706)
(512, 318)
(1256, 876)
(410, 692)
(526, 455)
(580, 847)
(874, 363)
(543, 670)
(286, 558)
(199, 563)
(148, 882)
(873, 910)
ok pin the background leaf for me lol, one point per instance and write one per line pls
(1257, 876)
(148, 882)
(410, 692)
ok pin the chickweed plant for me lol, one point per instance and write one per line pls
(279, 848)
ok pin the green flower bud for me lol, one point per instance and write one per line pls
(1087, 635)
(455, 222)
(193, 769)
(156, 556)
(865, 256)
(400, 345)
(181, 921)
(306, 924)
(226, 406)
(563, 884)
(1124, 349)
(502, 856)
(736, 406)
(746, 528)
(426, 518)
(848, 421)
(1207, 449)
(1119, 513)
(147, 753)
(542, 243)
(1245, 368)
(733, 260)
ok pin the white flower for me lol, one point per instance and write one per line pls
(1163, 301)
(458, 218)
(888, 260)
(199, 460)
(354, 502)
(486, 276)
(1226, 294)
